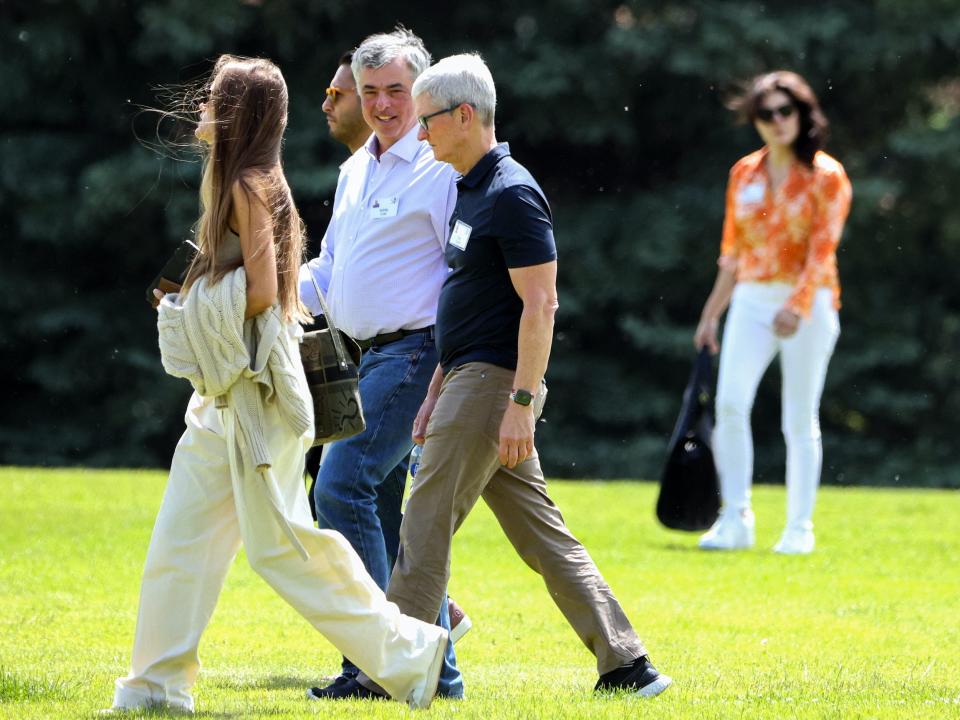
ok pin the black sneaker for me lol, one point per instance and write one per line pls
(344, 688)
(337, 682)
(639, 677)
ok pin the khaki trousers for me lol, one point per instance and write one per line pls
(460, 464)
(211, 503)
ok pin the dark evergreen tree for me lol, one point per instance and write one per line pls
(616, 107)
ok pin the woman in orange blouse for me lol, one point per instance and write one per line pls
(785, 210)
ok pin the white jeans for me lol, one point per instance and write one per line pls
(206, 511)
(749, 345)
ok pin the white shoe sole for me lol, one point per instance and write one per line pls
(461, 629)
(656, 687)
(795, 543)
(421, 697)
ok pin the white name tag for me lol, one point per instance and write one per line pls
(751, 194)
(384, 207)
(460, 235)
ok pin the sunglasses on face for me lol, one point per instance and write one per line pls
(333, 92)
(768, 114)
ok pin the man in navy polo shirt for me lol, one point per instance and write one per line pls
(494, 333)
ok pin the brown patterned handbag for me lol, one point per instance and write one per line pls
(330, 361)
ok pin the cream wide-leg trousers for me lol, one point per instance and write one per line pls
(747, 349)
(206, 512)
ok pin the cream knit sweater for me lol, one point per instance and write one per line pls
(243, 363)
(207, 341)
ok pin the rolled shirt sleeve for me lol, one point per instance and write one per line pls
(832, 196)
(728, 243)
(320, 268)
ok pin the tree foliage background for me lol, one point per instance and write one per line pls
(616, 107)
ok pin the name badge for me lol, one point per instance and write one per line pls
(384, 207)
(751, 194)
(460, 235)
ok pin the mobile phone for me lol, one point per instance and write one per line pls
(170, 278)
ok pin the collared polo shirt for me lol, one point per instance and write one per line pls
(381, 262)
(501, 221)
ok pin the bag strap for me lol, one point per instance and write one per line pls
(703, 368)
(338, 347)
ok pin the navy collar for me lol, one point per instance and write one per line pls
(479, 171)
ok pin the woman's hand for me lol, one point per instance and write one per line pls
(158, 294)
(785, 323)
(706, 334)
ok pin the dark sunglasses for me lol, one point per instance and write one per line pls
(768, 114)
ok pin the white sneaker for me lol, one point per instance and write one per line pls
(460, 622)
(733, 530)
(795, 542)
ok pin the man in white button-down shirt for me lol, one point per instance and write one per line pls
(381, 266)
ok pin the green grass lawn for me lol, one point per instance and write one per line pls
(866, 627)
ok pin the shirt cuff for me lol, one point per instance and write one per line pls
(727, 262)
(308, 292)
(800, 301)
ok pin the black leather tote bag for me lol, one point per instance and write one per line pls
(689, 491)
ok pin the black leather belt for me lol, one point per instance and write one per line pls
(391, 337)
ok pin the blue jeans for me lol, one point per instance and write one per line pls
(361, 481)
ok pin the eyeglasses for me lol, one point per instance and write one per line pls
(332, 93)
(768, 114)
(423, 119)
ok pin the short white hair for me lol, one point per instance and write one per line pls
(460, 79)
(383, 48)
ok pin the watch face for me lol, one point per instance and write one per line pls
(522, 397)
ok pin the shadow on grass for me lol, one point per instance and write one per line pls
(259, 712)
(270, 682)
(167, 712)
(163, 712)
(677, 547)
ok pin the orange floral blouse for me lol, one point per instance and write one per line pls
(790, 236)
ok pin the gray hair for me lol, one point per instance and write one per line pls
(383, 48)
(460, 79)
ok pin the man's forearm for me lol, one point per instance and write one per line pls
(433, 389)
(534, 344)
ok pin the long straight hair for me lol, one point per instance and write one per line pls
(248, 97)
(814, 128)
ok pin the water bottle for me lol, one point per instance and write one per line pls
(415, 459)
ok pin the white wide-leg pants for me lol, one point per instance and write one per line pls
(748, 347)
(206, 511)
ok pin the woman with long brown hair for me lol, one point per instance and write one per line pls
(785, 211)
(236, 475)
